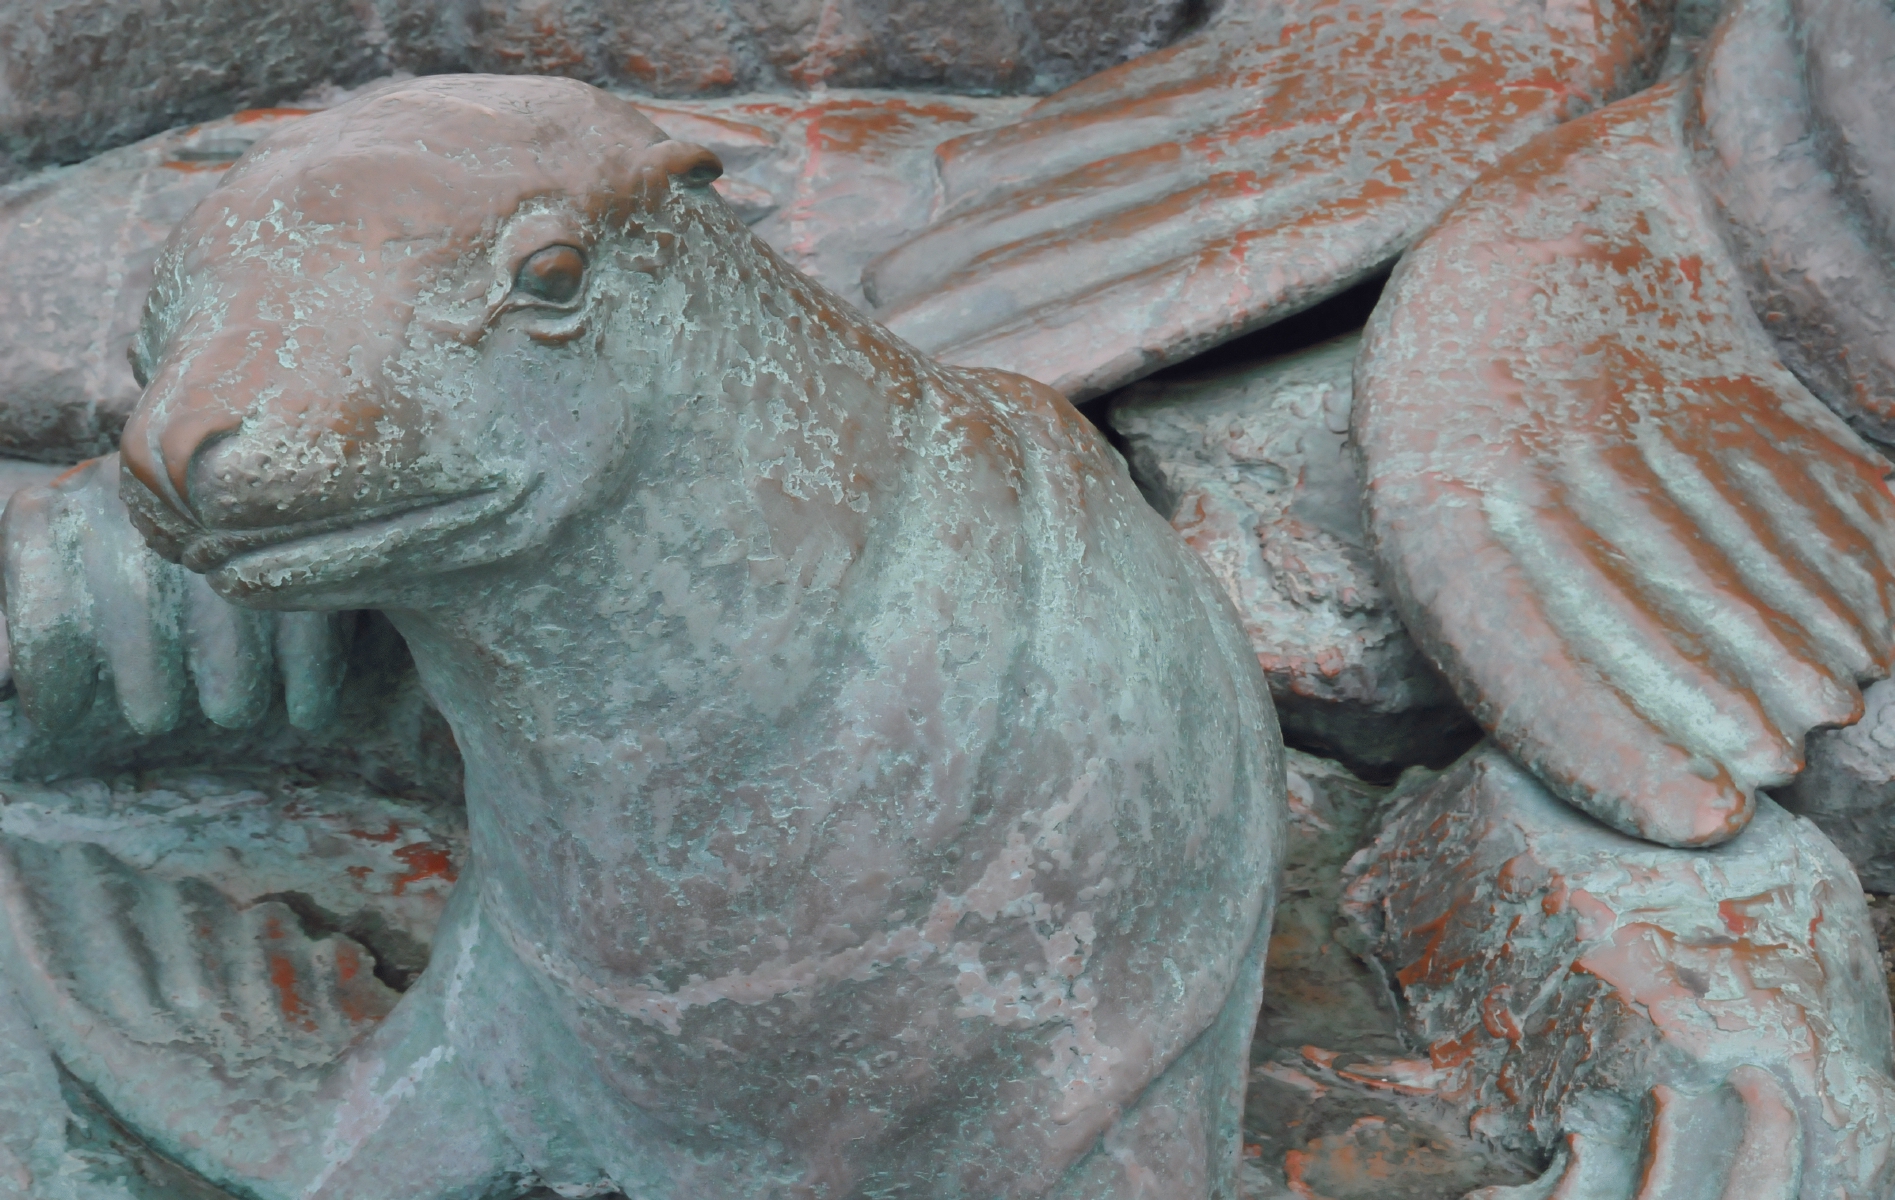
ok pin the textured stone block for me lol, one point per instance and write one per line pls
(83, 76)
(1252, 465)
(1848, 787)
(1660, 1022)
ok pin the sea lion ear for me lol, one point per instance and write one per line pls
(650, 171)
(691, 165)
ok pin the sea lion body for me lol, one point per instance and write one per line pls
(868, 793)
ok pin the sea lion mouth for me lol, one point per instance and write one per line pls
(209, 550)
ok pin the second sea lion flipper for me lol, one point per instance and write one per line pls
(1282, 155)
(1646, 557)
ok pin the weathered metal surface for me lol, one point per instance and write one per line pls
(829, 180)
(84, 76)
(1664, 1023)
(1315, 1125)
(1283, 190)
(210, 910)
(844, 175)
(1251, 465)
(1285, 153)
(88, 603)
(864, 786)
(245, 918)
(1789, 122)
(79, 243)
(1647, 558)
(1660, 561)
(1848, 788)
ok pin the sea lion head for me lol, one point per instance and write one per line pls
(407, 335)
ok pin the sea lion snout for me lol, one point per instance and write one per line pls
(246, 428)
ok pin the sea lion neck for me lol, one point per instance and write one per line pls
(736, 533)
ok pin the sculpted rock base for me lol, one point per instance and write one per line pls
(1848, 787)
(1665, 1023)
(1316, 1123)
(1252, 466)
(82, 76)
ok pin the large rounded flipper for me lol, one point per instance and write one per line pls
(1645, 556)
(1278, 157)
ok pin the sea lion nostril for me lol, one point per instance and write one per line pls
(553, 274)
(161, 442)
(183, 441)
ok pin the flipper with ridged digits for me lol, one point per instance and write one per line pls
(178, 949)
(1283, 154)
(1645, 556)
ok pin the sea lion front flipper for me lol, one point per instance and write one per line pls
(1644, 555)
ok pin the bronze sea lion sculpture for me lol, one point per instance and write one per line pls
(868, 794)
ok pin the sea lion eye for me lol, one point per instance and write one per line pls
(553, 274)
